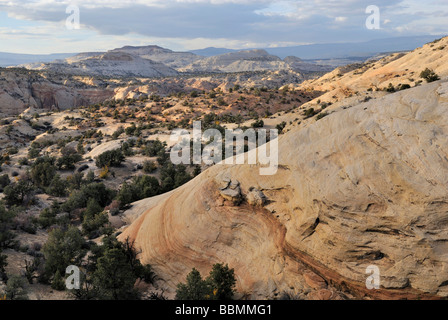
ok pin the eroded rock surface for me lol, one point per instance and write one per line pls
(361, 187)
(365, 186)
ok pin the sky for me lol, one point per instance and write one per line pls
(39, 26)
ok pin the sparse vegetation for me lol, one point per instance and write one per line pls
(429, 75)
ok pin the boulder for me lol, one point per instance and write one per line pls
(256, 197)
(232, 192)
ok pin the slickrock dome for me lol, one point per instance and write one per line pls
(363, 186)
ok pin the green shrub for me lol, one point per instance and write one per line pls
(112, 158)
(149, 166)
(154, 147)
(258, 124)
(173, 176)
(68, 160)
(309, 113)
(114, 277)
(141, 187)
(281, 126)
(15, 289)
(403, 87)
(33, 153)
(4, 181)
(58, 187)
(62, 249)
(321, 115)
(390, 88)
(20, 192)
(43, 171)
(219, 285)
(79, 198)
(6, 225)
(429, 75)
(23, 161)
(47, 218)
(3, 265)
(94, 219)
(115, 269)
(58, 282)
(194, 289)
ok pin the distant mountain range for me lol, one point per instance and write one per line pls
(15, 59)
(346, 50)
(337, 50)
(212, 51)
(155, 61)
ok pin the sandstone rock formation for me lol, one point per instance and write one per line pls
(168, 57)
(363, 186)
(111, 64)
(154, 61)
(240, 61)
(256, 197)
(230, 190)
(20, 90)
(396, 69)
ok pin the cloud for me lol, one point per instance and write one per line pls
(340, 19)
(231, 22)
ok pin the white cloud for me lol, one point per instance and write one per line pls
(340, 19)
(233, 23)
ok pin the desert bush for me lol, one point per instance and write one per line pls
(112, 158)
(308, 113)
(79, 198)
(19, 192)
(6, 225)
(126, 148)
(58, 282)
(114, 270)
(93, 219)
(281, 126)
(23, 161)
(258, 124)
(321, 115)
(31, 269)
(15, 289)
(63, 248)
(58, 187)
(33, 153)
(153, 148)
(390, 88)
(3, 265)
(403, 87)
(149, 166)
(429, 75)
(219, 285)
(25, 222)
(47, 218)
(104, 173)
(68, 160)
(4, 181)
(43, 171)
(113, 208)
(140, 187)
